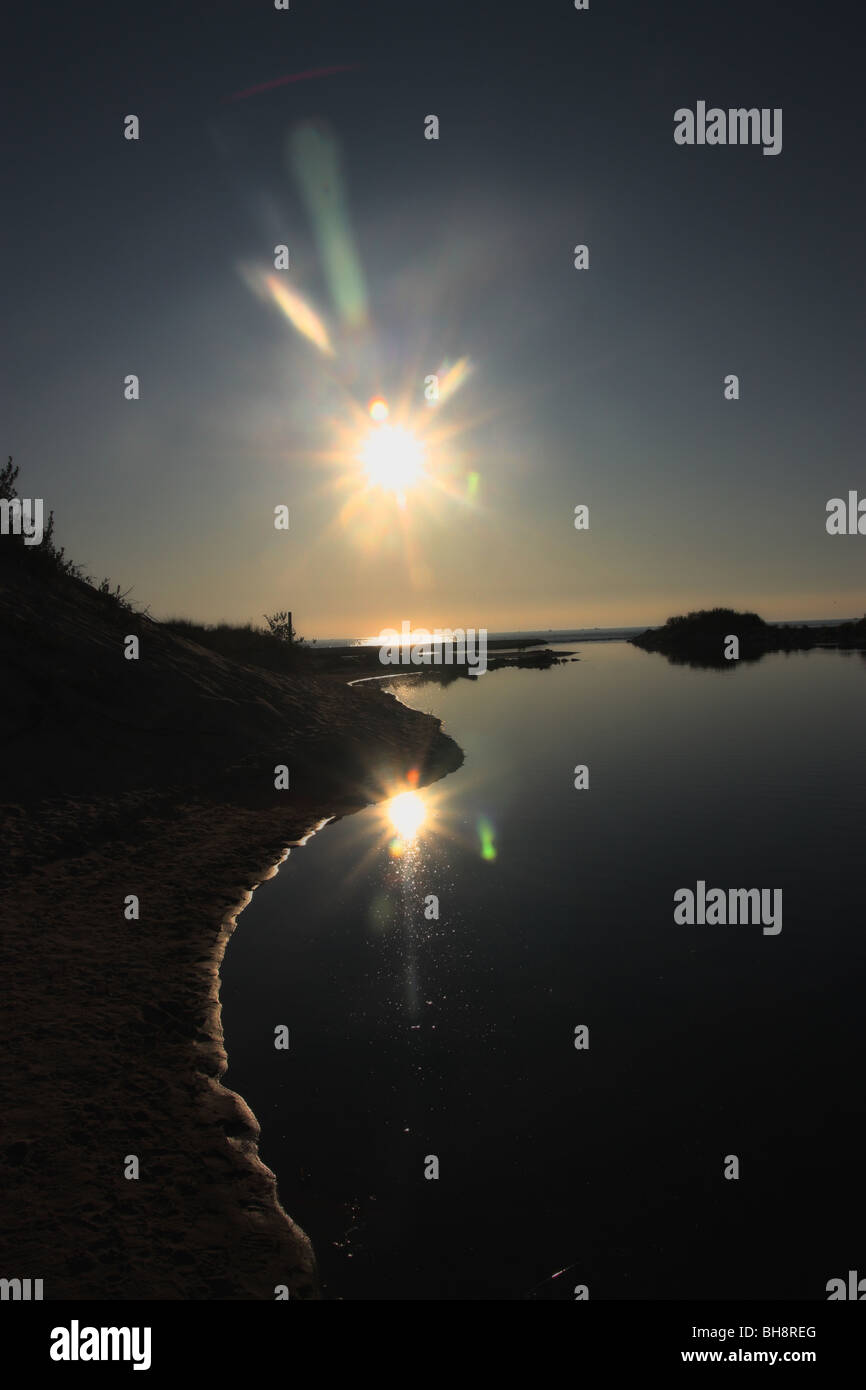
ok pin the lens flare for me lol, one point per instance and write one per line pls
(301, 315)
(314, 155)
(486, 836)
(451, 378)
(378, 410)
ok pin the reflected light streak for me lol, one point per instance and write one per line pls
(451, 379)
(292, 77)
(314, 155)
(301, 315)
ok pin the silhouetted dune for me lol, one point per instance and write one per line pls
(78, 716)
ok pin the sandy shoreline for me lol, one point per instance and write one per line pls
(123, 1054)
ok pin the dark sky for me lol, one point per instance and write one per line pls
(602, 387)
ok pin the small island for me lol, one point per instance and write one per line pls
(698, 638)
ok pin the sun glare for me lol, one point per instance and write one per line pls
(393, 459)
(407, 814)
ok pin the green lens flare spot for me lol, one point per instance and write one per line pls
(485, 834)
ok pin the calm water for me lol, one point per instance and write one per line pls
(455, 1037)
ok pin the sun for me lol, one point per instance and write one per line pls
(393, 459)
(391, 455)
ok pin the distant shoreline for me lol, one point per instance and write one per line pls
(537, 637)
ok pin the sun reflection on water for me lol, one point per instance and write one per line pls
(407, 813)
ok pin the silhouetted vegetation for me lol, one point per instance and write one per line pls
(15, 546)
(280, 626)
(45, 556)
(706, 621)
(698, 638)
(277, 649)
(253, 646)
